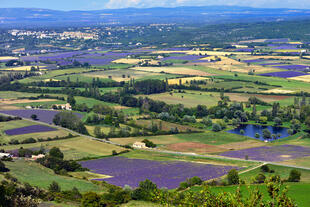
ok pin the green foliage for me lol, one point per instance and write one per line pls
(3, 167)
(144, 191)
(55, 152)
(266, 134)
(260, 178)
(54, 187)
(216, 127)
(70, 121)
(71, 100)
(233, 177)
(149, 143)
(294, 176)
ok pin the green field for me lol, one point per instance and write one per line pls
(73, 148)
(37, 175)
(151, 155)
(297, 191)
(279, 170)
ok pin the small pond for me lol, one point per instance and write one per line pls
(250, 131)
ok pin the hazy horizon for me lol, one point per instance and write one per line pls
(84, 5)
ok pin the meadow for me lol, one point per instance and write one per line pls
(37, 175)
(73, 148)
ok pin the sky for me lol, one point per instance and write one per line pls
(115, 4)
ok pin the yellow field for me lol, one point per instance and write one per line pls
(275, 90)
(293, 50)
(300, 43)
(217, 53)
(173, 70)
(272, 57)
(134, 61)
(8, 58)
(19, 101)
(256, 40)
(50, 79)
(176, 81)
(305, 78)
(22, 68)
(232, 65)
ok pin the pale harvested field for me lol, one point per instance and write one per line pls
(279, 91)
(160, 140)
(241, 145)
(17, 101)
(121, 74)
(245, 97)
(134, 61)
(22, 68)
(8, 107)
(256, 40)
(194, 147)
(120, 107)
(190, 52)
(241, 67)
(270, 57)
(184, 80)
(173, 70)
(8, 58)
(229, 64)
(304, 78)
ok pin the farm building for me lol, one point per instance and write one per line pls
(35, 157)
(2, 155)
(139, 145)
(66, 106)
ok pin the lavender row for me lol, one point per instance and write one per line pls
(29, 130)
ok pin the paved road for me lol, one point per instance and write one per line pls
(261, 162)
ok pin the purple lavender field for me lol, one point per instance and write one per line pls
(293, 67)
(284, 74)
(266, 64)
(271, 154)
(45, 116)
(164, 173)
(29, 130)
(244, 50)
(254, 61)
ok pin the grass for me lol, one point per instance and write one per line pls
(158, 156)
(297, 191)
(140, 204)
(73, 148)
(15, 95)
(126, 75)
(37, 175)
(189, 99)
(279, 170)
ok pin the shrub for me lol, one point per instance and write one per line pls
(55, 152)
(265, 168)
(233, 177)
(54, 187)
(216, 127)
(294, 176)
(149, 144)
(260, 178)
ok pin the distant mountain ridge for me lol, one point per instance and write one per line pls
(207, 14)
